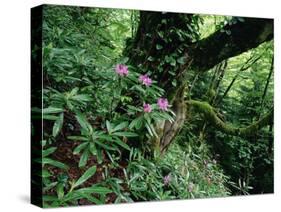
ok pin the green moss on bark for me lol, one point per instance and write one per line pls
(208, 111)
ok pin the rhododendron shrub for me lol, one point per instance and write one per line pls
(147, 108)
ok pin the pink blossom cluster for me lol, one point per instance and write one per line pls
(145, 80)
(121, 70)
(162, 103)
(167, 179)
(147, 108)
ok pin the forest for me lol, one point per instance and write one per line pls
(148, 106)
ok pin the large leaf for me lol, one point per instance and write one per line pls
(105, 146)
(82, 97)
(78, 138)
(150, 131)
(92, 149)
(88, 174)
(122, 144)
(104, 137)
(80, 147)
(46, 173)
(136, 123)
(95, 189)
(50, 110)
(54, 163)
(84, 158)
(126, 134)
(108, 126)
(48, 151)
(91, 198)
(60, 190)
(58, 125)
(83, 122)
(71, 196)
(120, 126)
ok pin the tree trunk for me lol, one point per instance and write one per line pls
(157, 47)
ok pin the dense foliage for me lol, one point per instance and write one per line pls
(101, 113)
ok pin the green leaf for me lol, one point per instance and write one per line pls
(108, 126)
(49, 198)
(71, 196)
(151, 129)
(134, 109)
(80, 147)
(74, 91)
(84, 158)
(54, 163)
(138, 88)
(49, 186)
(78, 138)
(99, 155)
(93, 149)
(172, 73)
(181, 60)
(122, 144)
(124, 60)
(174, 83)
(88, 174)
(46, 173)
(105, 146)
(52, 110)
(83, 122)
(91, 198)
(148, 129)
(173, 62)
(48, 151)
(158, 47)
(49, 117)
(95, 190)
(60, 190)
(102, 137)
(120, 126)
(82, 97)
(58, 125)
(125, 134)
(136, 123)
(150, 59)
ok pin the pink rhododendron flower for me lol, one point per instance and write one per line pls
(167, 179)
(121, 70)
(145, 80)
(147, 108)
(162, 103)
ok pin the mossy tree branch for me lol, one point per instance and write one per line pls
(211, 116)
